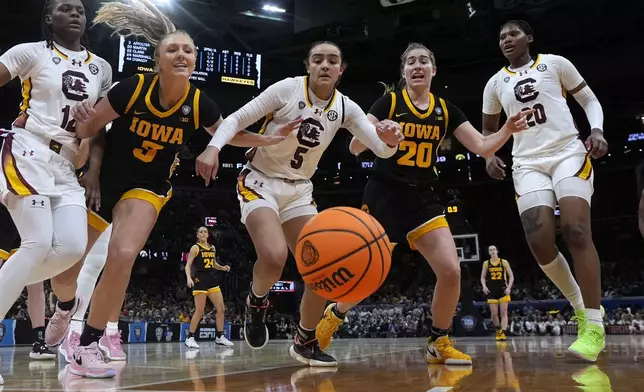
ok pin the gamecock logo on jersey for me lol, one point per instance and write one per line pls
(525, 90)
(75, 85)
(310, 254)
(309, 133)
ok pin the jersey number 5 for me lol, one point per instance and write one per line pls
(416, 154)
(147, 152)
(309, 137)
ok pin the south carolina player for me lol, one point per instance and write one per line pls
(202, 258)
(497, 279)
(275, 189)
(400, 193)
(153, 115)
(38, 181)
(552, 165)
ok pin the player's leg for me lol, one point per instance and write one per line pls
(133, 219)
(217, 299)
(36, 310)
(503, 309)
(435, 242)
(200, 306)
(536, 203)
(573, 180)
(259, 212)
(306, 348)
(494, 312)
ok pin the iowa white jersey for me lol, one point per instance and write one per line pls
(55, 79)
(297, 157)
(540, 85)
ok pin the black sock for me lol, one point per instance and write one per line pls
(337, 313)
(90, 335)
(437, 333)
(191, 335)
(218, 334)
(39, 335)
(305, 335)
(254, 299)
(67, 306)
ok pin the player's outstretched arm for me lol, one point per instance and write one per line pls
(382, 138)
(486, 146)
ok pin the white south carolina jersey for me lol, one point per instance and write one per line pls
(297, 157)
(54, 79)
(540, 85)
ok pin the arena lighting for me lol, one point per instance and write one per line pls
(272, 8)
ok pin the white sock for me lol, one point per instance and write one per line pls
(595, 317)
(559, 273)
(112, 328)
(76, 326)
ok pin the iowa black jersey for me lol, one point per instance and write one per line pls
(143, 142)
(205, 259)
(415, 160)
(496, 275)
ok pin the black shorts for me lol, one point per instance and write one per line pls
(9, 237)
(405, 211)
(112, 192)
(497, 294)
(205, 283)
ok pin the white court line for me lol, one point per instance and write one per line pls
(261, 369)
(440, 389)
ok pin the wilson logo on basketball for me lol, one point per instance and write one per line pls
(337, 279)
(310, 255)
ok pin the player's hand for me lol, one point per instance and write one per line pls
(83, 111)
(518, 122)
(486, 291)
(289, 127)
(495, 167)
(227, 268)
(191, 283)
(390, 132)
(507, 291)
(90, 181)
(596, 145)
(207, 164)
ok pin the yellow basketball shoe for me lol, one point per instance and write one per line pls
(442, 351)
(592, 379)
(447, 376)
(327, 327)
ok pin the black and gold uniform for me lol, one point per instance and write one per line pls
(400, 193)
(496, 281)
(9, 237)
(205, 276)
(143, 142)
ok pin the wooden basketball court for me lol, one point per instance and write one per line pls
(371, 365)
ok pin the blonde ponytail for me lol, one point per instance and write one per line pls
(389, 88)
(135, 18)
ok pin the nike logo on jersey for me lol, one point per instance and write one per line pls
(137, 113)
(401, 114)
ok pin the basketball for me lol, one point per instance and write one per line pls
(344, 254)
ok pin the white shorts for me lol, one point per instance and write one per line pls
(544, 179)
(289, 199)
(31, 167)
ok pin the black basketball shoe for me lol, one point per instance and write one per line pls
(40, 351)
(255, 330)
(311, 354)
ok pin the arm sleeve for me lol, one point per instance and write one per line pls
(21, 58)
(359, 125)
(106, 80)
(121, 93)
(209, 111)
(269, 101)
(381, 108)
(456, 117)
(568, 74)
(491, 102)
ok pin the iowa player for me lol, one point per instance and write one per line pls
(497, 280)
(275, 190)
(152, 115)
(204, 283)
(400, 193)
(551, 165)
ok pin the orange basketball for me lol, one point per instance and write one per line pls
(343, 254)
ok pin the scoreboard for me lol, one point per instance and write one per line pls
(214, 65)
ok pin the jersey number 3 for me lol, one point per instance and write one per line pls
(416, 154)
(147, 151)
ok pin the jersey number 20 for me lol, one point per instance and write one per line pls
(416, 154)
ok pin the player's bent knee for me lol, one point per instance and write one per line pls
(449, 273)
(122, 254)
(273, 255)
(576, 234)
